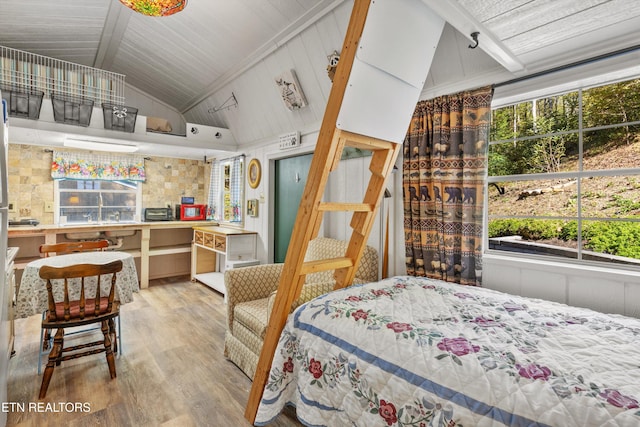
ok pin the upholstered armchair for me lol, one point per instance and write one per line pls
(251, 294)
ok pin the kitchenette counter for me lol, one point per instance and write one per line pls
(161, 248)
(43, 229)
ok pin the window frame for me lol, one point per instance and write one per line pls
(579, 174)
(56, 204)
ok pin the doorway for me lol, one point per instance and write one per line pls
(290, 180)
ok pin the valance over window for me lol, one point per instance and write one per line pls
(106, 167)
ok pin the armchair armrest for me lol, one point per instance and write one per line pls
(309, 291)
(249, 284)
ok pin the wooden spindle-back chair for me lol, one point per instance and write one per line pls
(70, 247)
(92, 303)
(62, 248)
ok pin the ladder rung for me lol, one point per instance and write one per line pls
(365, 142)
(325, 264)
(347, 207)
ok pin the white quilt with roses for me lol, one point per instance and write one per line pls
(412, 351)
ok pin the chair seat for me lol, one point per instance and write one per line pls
(253, 315)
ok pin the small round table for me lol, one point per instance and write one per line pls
(32, 294)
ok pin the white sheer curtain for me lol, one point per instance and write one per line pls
(226, 190)
(215, 198)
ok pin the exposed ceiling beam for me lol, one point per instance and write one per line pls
(115, 24)
(460, 19)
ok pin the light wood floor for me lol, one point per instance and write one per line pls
(172, 371)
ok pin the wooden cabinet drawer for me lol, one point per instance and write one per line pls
(198, 238)
(220, 243)
(208, 240)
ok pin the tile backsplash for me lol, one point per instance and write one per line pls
(31, 187)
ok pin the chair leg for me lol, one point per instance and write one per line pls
(45, 343)
(54, 356)
(46, 339)
(59, 361)
(41, 350)
(119, 318)
(111, 361)
(114, 337)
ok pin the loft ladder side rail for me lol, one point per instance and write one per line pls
(308, 220)
(362, 221)
(382, 161)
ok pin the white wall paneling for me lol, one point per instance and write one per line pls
(503, 279)
(632, 298)
(602, 289)
(260, 114)
(599, 293)
(151, 107)
(543, 284)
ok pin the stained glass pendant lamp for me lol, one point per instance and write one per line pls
(155, 7)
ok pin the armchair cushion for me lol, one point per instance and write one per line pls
(249, 284)
(251, 294)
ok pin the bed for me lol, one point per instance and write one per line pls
(410, 351)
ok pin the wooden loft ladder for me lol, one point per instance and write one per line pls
(330, 145)
(331, 142)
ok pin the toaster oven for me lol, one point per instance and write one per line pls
(158, 214)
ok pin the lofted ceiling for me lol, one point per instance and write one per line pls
(194, 60)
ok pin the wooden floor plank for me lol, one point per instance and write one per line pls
(172, 373)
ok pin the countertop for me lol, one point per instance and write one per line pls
(214, 228)
(41, 229)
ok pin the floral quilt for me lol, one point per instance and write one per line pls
(410, 351)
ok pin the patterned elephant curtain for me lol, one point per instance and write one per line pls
(444, 167)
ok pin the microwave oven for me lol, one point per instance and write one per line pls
(193, 212)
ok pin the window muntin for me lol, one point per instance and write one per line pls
(96, 201)
(581, 150)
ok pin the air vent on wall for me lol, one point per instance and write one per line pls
(289, 140)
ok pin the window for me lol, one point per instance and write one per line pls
(86, 201)
(226, 191)
(97, 187)
(564, 175)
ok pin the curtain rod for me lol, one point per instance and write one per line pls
(570, 65)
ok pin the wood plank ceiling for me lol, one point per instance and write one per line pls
(194, 60)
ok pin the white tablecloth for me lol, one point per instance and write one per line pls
(32, 295)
